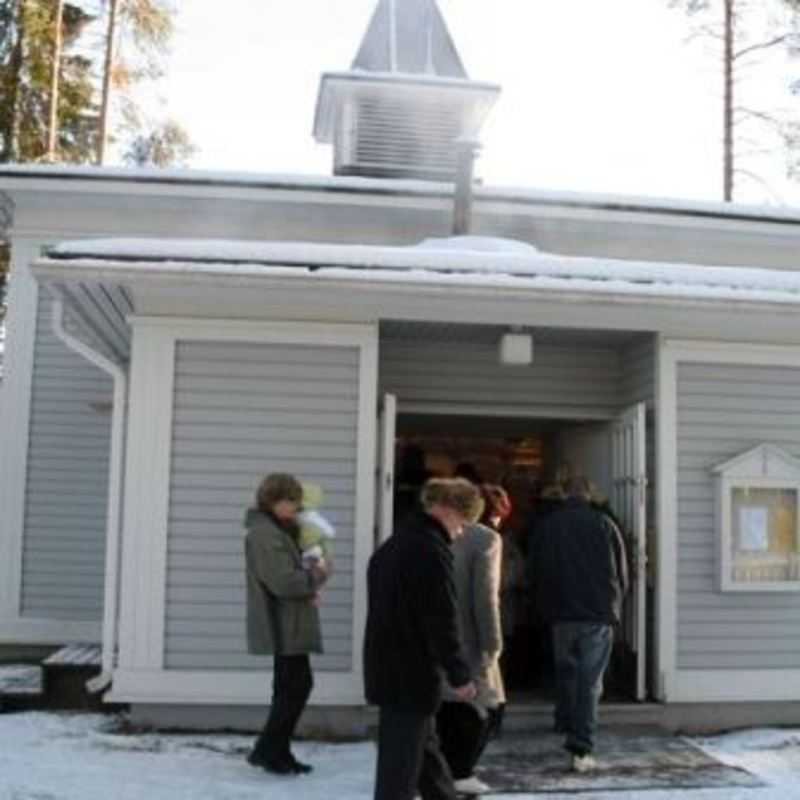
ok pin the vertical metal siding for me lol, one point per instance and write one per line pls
(67, 483)
(241, 411)
(724, 410)
(574, 380)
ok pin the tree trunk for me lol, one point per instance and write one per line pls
(58, 38)
(727, 122)
(15, 77)
(107, 68)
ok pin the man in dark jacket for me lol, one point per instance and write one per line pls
(412, 642)
(580, 575)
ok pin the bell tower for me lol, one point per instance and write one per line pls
(406, 103)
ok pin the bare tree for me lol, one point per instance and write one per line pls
(146, 27)
(742, 33)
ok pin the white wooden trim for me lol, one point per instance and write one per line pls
(15, 408)
(140, 675)
(365, 492)
(146, 500)
(752, 685)
(235, 688)
(746, 353)
(666, 513)
(48, 631)
(723, 534)
(672, 683)
(115, 478)
(532, 411)
(226, 330)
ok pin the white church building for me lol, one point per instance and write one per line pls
(174, 336)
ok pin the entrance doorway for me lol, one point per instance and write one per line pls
(520, 453)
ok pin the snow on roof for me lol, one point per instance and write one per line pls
(461, 261)
(479, 244)
(522, 195)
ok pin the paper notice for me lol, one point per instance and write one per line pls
(754, 528)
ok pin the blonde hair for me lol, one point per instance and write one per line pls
(456, 493)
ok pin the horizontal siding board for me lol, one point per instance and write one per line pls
(253, 465)
(216, 354)
(66, 483)
(216, 634)
(191, 550)
(252, 407)
(288, 389)
(446, 372)
(188, 529)
(241, 411)
(732, 661)
(236, 662)
(233, 611)
(724, 410)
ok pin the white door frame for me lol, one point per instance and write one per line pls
(629, 485)
(385, 483)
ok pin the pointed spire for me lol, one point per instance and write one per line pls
(409, 36)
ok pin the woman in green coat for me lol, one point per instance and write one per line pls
(282, 615)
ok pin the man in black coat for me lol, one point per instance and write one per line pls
(580, 575)
(412, 642)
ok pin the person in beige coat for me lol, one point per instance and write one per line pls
(282, 615)
(464, 726)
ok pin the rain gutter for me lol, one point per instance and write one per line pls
(114, 505)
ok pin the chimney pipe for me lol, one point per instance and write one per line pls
(466, 152)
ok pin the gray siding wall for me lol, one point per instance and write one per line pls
(570, 379)
(638, 372)
(67, 483)
(242, 411)
(724, 410)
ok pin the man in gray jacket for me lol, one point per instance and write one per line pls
(282, 615)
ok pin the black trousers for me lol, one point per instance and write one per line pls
(409, 758)
(463, 734)
(291, 686)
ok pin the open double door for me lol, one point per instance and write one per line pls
(623, 443)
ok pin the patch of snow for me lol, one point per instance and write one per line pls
(87, 757)
(421, 265)
(528, 195)
(478, 244)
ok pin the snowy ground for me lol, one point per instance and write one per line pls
(85, 757)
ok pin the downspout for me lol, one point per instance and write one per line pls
(114, 507)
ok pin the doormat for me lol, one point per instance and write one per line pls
(625, 761)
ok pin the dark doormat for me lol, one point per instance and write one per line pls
(626, 759)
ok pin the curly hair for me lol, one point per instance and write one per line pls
(276, 487)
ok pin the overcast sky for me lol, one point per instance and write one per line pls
(596, 96)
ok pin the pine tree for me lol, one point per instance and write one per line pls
(26, 69)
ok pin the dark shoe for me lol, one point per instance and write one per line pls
(299, 767)
(278, 766)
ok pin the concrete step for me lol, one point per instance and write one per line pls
(538, 716)
(65, 675)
